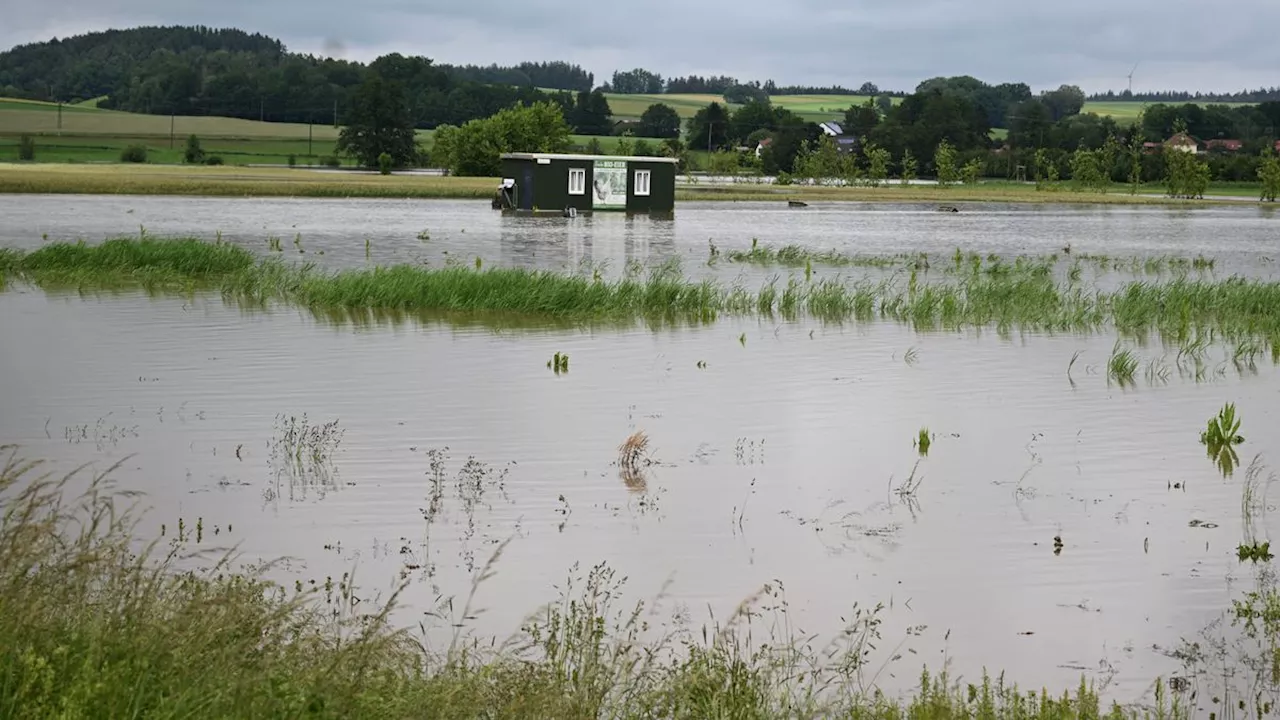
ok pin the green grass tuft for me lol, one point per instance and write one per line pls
(1023, 293)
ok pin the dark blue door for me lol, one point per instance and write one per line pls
(526, 189)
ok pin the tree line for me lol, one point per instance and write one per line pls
(646, 82)
(1046, 134)
(1171, 96)
(556, 75)
(226, 72)
(942, 130)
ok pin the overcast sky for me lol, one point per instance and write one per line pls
(1092, 43)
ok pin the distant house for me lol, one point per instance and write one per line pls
(1223, 145)
(844, 142)
(1183, 142)
(847, 143)
(1278, 146)
(764, 143)
(1151, 147)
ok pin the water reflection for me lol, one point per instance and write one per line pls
(607, 243)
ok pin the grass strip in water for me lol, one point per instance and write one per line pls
(798, 256)
(125, 259)
(91, 627)
(1022, 294)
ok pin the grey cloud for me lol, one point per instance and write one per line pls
(1093, 43)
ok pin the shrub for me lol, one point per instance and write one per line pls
(384, 163)
(293, 160)
(194, 154)
(134, 154)
(213, 160)
(330, 161)
(26, 148)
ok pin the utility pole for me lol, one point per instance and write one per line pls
(59, 117)
(308, 136)
(171, 117)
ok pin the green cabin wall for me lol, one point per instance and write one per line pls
(550, 191)
(662, 188)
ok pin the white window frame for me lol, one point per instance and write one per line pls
(580, 174)
(642, 188)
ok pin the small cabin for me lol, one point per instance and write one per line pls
(560, 184)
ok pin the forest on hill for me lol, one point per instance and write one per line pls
(232, 73)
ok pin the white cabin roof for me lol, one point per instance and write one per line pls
(570, 156)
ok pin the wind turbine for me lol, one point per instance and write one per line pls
(1135, 67)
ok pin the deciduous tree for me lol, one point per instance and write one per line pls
(591, 114)
(475, 148)
(709, 128)
(379, 122)
(909, 167)
(660, 121)
(1085, 171)
(877, 163)
(944, 164)
(860, 120)
(1269, 174)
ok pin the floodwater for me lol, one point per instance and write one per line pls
(783, 451)
(1241, 239)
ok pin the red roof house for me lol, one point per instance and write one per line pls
(1224, 145)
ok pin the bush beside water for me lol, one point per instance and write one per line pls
(26, 148)
(134, 154)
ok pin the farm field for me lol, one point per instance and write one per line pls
(821, 107)
(1128, 111)
(812, 107)
(88, 134)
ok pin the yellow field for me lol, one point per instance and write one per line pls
(126, 179)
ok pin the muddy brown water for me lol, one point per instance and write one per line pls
(780, 460)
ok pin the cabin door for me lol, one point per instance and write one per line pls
(526, 188)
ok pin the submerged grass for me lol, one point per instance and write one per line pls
(799, 256)
(1121, 366)
(94, 623)
(972, 292)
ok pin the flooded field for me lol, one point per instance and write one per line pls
(1060, 522)
(415, 231)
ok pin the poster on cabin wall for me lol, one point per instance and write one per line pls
(610, 185)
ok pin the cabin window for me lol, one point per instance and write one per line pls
(642, 182)
(577, 181)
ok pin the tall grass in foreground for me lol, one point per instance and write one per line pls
(92, 626)
(1022, 294)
